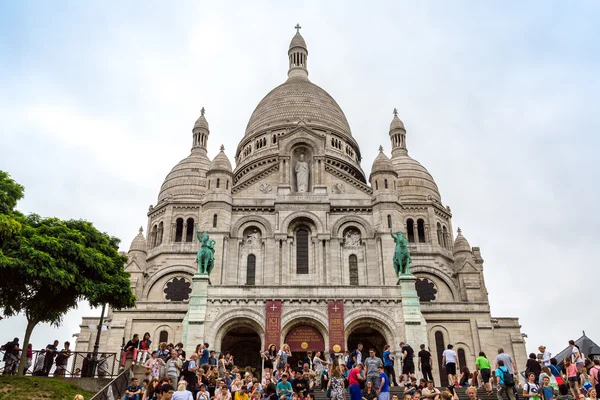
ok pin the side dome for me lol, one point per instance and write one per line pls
(187, 180)
(139, 242)
(221, 162)
(414, 181)
(296, 100)
(381, 163)
(461, 245)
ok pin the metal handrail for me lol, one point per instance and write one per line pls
(116, 388)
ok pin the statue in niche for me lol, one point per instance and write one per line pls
(352, 239)
(253, 239)
(302, 173)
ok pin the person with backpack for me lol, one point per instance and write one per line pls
(531, 390)
(506, 381)
(189, 373)
(355, 358)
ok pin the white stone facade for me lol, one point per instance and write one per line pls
(256, 211)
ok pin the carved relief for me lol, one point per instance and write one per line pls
(252, 239)
(266, 187)
(338, 188)
(352, 239)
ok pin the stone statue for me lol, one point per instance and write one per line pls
(206, 255)
(301, 175)
(402, 258)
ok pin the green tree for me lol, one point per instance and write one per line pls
(48, 265)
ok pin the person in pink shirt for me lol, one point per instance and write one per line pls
(571, 377)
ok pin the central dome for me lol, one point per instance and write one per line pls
(295, 100)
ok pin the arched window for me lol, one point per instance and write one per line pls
(440, 347)
(209, 183)
(160, 233)
(274, 139)
(163, 337)
(178, 229)
(462, 359)
(189, 230)
(153, 236)
(353, 264)
(445, 236)
(376, 185)
(421, 230)
(302, 251)
(439, 233)
(218, 182)
(227, 184)
(385, 185)
(389, 221)
(410, 230)
(215, 221)
(251, 270)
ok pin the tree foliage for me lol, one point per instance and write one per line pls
(48, 265)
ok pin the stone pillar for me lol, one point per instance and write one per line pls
(415, 327)
(193, 323)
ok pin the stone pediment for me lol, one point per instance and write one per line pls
(133, 266)
(467, 268)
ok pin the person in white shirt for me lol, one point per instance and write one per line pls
(546, 355)
(449, 363)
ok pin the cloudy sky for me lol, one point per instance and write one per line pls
(500, 101)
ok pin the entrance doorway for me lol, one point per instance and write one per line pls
(301, 339)
(244, 345)
(370, 338)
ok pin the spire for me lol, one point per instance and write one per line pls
(200, 132)
(397, 135)
(141, 230)
(222, 148)
(297, 55)
(380, 148)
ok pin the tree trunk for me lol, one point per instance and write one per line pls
(30, 325)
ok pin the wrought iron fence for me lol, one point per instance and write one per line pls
(72, 364)
(116, 388)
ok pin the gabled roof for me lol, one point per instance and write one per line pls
(588, 347)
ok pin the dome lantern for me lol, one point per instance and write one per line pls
(297, 55)
(397, 135)
(200, 132)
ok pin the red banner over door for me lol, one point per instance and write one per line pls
(337, 340)
(304, 338)
(273, 324)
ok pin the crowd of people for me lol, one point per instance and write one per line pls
(45, 360)
(202, 376)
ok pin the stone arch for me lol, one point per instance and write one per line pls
(314, 318)
(183, 269)
(306, 140)
(469, 355)
(370, 317)
(299, 215)
(363, 225)
(234, 317)
(426, 270)
(262, 223)
(302, 214)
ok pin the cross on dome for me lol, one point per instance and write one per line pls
(297, 28)
(222, 148)
(380, 148)
(459, 230)
(395, 111)
(202, 111)
(141, 230)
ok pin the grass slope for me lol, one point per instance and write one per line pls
(38, 388)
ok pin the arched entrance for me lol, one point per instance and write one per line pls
(301, 339)
(244, 345)
(370, 337)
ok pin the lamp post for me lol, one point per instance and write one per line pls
(94, 361)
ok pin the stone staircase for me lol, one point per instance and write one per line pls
(462, 394)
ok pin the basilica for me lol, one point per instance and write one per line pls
(303, 251)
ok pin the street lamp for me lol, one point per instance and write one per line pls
(94, 361)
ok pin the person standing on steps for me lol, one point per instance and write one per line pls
(449, 363)
(383, 392)
(372, 364)
(354, 379)
(388, 363)
(408, 362)
(424, 362)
